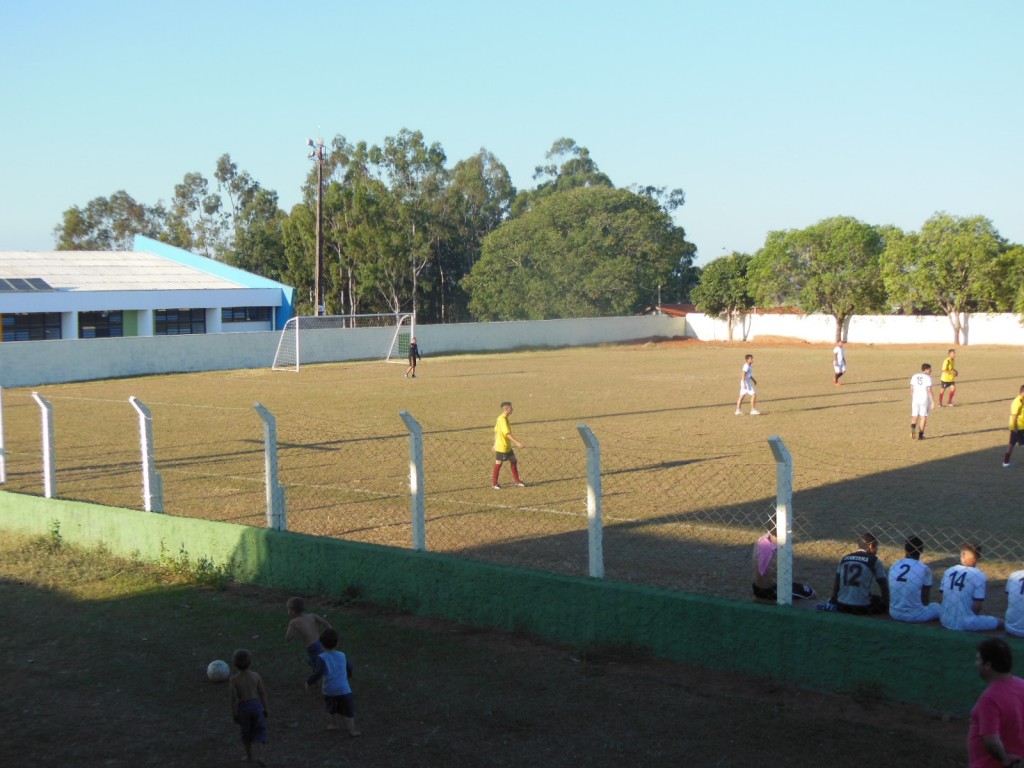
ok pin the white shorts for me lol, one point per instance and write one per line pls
(920, 409)
(930, 612)
(974, 623)
(839, 368)
(745, 390)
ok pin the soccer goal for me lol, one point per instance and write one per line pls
(332, 338)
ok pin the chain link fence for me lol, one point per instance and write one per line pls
(674, 516)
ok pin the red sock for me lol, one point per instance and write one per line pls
(494, 475)
(950, 397)
(515, 472)
(942, 395)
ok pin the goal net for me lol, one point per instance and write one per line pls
(333, 338)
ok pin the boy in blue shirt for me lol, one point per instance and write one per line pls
(333, 668)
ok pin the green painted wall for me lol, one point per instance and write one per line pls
(927, 666)
(130, 322)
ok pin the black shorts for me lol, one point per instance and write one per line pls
(1016, 437)
(947, 384)
(877, 605)
(510, 456)
(340, 705)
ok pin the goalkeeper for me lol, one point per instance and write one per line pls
(414, 355)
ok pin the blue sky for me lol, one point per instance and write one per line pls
(769, 115)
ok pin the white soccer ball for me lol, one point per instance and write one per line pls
(218, 671)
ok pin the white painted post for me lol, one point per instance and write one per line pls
(3, 451)
(49, 454)
(419, 525)
(783, 520)
(277, 510)
(152, 483)
(595, 529)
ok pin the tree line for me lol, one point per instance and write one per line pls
(844, 267)
(405, 231)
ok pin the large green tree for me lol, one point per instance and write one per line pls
(582, 252)
(568, 166)
(108, 224)
(479, 196)
(831, 267)
(723, 289)
(953, 265)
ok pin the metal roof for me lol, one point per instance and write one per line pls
(107, 271)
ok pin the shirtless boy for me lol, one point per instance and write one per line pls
(306, 626)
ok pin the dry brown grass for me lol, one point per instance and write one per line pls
(687, 484)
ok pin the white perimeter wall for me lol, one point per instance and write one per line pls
(34, 363)
(865, 329)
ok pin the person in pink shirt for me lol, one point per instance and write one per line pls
(996, 736)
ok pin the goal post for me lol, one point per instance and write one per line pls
(333, 338)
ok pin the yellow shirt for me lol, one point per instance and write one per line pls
(1017, 414)
(501, 432)
(948, 371)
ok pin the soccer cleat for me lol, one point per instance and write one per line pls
(496, 487)
(405, 376)
(755, 412)
(739, 412)
(920, 435)
(827, 606)
(520, 484)
(414, 375)
(1006, 464)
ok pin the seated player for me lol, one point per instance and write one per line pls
(857, 571)
(764, 585)
(910, 586)
(963, 591)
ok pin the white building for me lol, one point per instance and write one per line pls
(153, 290)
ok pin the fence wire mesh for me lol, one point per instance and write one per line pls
(679, 517)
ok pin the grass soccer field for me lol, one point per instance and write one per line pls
(687, 484)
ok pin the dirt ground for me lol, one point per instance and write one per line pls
(103, 665)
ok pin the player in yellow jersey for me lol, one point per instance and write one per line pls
(1016, 425)
(503, 442)
(948, 378)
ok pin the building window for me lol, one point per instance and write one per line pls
(245, 314)
(34, 326)
(175, 322)
(100, 325)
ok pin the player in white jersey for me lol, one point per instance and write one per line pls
(747, 387)
(1015, 604)
(838, 362)
(963, 590)
(910, 585)
(921, 401)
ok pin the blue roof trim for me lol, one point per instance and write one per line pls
(218, 269)
(203, 264)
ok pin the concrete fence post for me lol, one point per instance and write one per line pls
(152, 483)
(3, 450)
(416, 498)
(783, 520)
(277, 509)
(49, 452)
(595, 529)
